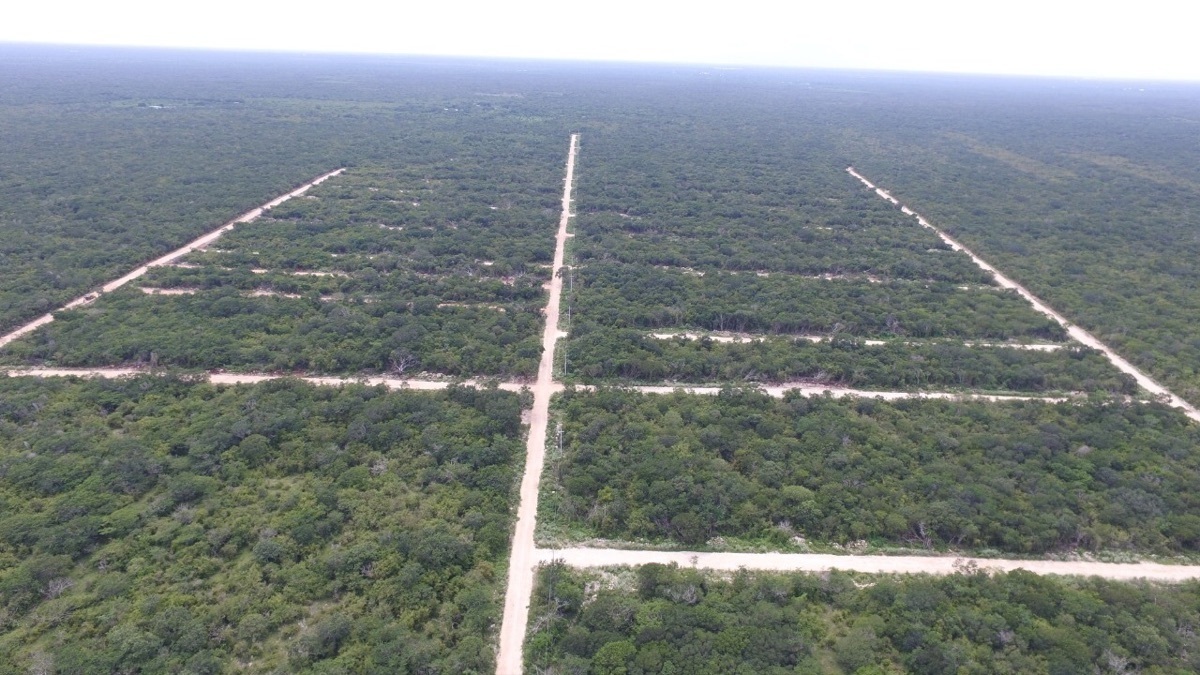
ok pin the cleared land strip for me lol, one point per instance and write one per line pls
(168, 258)
(522, 557)
(252, 378)
(819, 562)
(1146, 382)
(746, 337)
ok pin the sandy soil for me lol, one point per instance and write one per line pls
(1147, 383)
(522, 559)
(168, 259)
(814, 562)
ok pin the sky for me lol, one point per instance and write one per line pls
(1148, 39)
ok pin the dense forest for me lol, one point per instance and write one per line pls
(742, 468)
(658, 619)
(634, 356)
(155, 525)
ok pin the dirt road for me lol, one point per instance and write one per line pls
(168, 258)
(552, 387)
(522, 559)
(876, 564)
(1084, 337)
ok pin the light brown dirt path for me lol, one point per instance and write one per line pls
(168, 258)
(876, 564)
(779, 390)
(1147, 383)
(751, 337)
(522, 558)
(252, 378)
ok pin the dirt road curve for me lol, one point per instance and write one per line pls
(168, 258)
(1076, 332)
(814, 562)
(522, 560)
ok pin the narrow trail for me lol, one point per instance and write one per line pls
(522, 558)
(874, 564)
(166, 259)
(1084, 337)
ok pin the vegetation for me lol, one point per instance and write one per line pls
(452, 287)
(1082, 192)
(117, 156)
(608, 295)
(660, 199)
(660, 619)
(633, 355)
(485, 212)
(225, 329)
(157, 525)
(1022, 478)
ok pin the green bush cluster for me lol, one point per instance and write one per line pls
(1023, 478)
(659, 619)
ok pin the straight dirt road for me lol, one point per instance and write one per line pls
(522, 560)
(777, 391)
(168, 258)
(874, 564)
(1084, 337)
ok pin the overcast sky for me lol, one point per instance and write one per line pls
(1148, 39)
